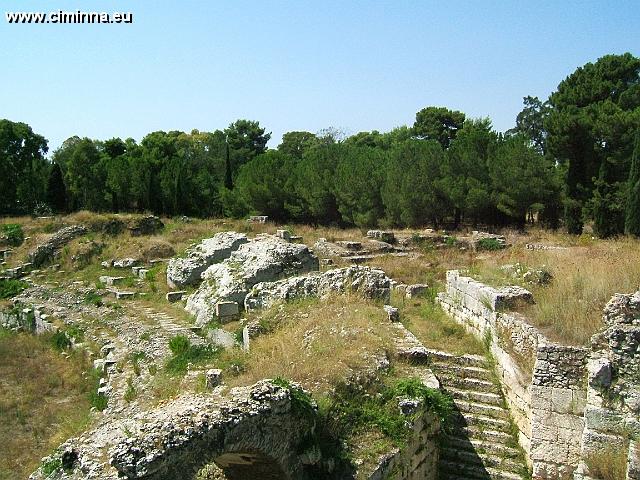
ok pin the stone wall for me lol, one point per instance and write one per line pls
(543, 383)
(418, 460)
(26, 318)
(613, 392)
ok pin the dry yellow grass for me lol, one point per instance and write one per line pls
(586, 275)
(319, 343)
(43, 401)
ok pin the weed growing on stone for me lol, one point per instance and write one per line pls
(183, 354)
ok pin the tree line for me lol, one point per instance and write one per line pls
(571, 159)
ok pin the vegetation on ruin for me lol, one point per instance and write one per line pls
(44, 399)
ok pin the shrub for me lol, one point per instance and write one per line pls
(60, 341)
(92, 298)
(184, 353)
(13, 233)
(11, 288)
(490, 244)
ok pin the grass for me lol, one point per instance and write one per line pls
(184, 354)
(44, 399)
(608, 464)
(585, 277)
(10, 288)
(434, 328)
(317, 343)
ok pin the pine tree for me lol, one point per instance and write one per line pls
(632, 218)
(56, 191)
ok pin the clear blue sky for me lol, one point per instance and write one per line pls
(295, 65)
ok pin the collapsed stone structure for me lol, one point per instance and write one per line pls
(367, 281)
(257, 432)
(562, 413)
(188, 270)
(263, 259)
(46, 251)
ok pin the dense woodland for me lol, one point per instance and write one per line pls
(570, 159)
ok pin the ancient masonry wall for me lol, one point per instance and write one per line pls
(30, 319)
(418, 460)
(543, 383)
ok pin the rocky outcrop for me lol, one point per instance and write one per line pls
(265, 259)
(45, 252)
(365, 281)
(188, 270)
(146, 226)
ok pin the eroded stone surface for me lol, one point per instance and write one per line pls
(265, 259)
(367, 281)
(45, 252)
(188, 270)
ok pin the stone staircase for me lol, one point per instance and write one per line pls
(480, 445)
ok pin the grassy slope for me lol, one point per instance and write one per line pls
(43, 401)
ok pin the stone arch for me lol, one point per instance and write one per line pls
(259, 434)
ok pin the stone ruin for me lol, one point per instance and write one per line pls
(566, 401)
(264, 259)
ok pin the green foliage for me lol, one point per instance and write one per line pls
(591, 124)
(439, 124)
(23, 166)
(184, 353)
(96, 400)
(301, 402)
(56, 190)
(60, 341)
(10, 288)
(13, 234)
(352, 409)
(92, 298)
(434, 400)
(632, 213)
(51, 466)
(490, 244)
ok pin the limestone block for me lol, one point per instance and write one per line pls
(416, 290)
(600, 373)
(175, 296)
(393, 313)
(227, 311)
(214, 377)
(602, 419)
(561, 400)
(142, 273)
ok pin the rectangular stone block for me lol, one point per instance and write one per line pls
(227, 311)
(175, 296)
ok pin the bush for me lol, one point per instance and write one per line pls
(490, 244)
(60, 341)
(184, 353)
(13, 233)
(92, 298)
(11, 288)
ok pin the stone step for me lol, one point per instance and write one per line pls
(480, 459)
(478, 397)
(472, 419)
(448, 358)
(482, 409)
(477, 445)
(472, 384)
(478, 373)
(457, 471)
(482, 433)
